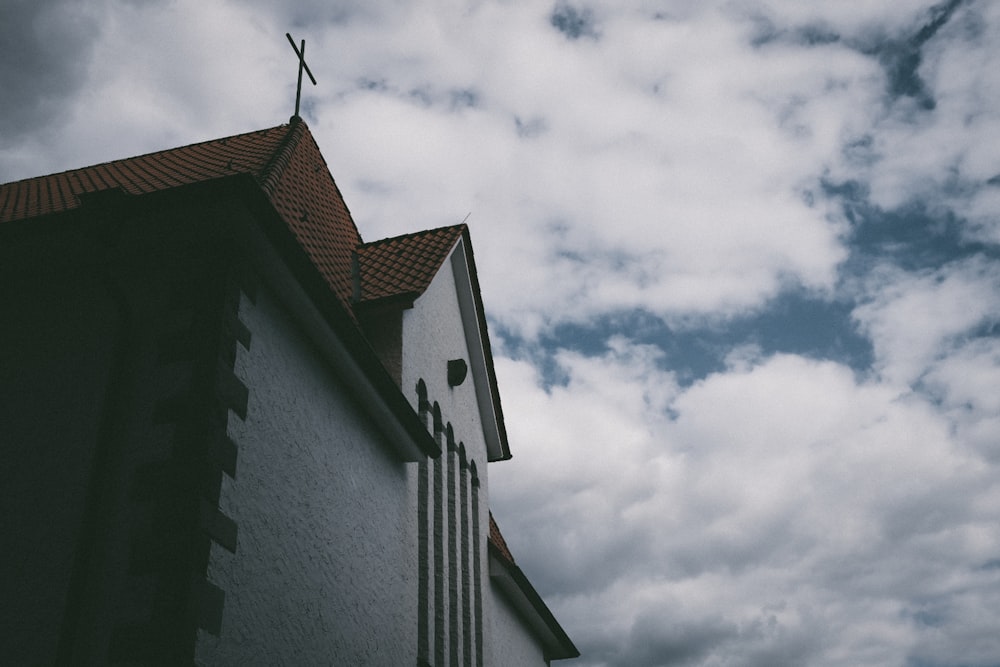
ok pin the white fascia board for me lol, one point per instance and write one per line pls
(496, 449)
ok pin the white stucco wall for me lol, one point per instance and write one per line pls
(433, 333)
(324, 572)
(510, 644)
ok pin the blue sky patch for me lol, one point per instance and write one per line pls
(792, 323)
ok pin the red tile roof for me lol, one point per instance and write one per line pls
(496, 539)
(302, 190)
(246, 153)
(287, 164)
(404, 264)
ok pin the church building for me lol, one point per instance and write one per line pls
(235, 433)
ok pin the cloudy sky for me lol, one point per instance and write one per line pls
(740, 261)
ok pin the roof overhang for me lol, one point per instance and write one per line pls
(530, 608)
(280, 260)
(234, 212)
(480, 353)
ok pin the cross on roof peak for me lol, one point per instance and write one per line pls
(300, 51)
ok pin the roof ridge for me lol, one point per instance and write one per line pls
(405, 265)
(462, 226)
(271, 173)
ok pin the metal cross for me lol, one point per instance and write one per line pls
(301, 53)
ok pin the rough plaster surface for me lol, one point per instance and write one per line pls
(324, 572)
(326, 569)
(433, 334)
(510, 644)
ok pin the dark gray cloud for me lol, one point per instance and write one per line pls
(766, 31)
(662, 638)
(670, 635)
(426, 95)
(313, 15)
(46, 46)
(533, 127)
(574, 22)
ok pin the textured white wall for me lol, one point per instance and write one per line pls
(433, 334)
(510, 644)
(324, 569)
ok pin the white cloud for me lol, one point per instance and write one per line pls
(785, 501)
(625, 186)
(782, 511)
(914, 320)
(965, 381)
(160, 74)
(943, 155)
(681, 177)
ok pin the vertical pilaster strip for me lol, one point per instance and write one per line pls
(477, 566)
(425, 555)
(466, 569)
(453, 603)
(424, 563)
(439, 548)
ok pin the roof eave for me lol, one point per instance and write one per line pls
(481, 353)
(530, 607)
(354, 356)
(401, 301)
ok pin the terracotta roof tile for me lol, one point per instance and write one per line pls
(496, 539)
(302, 190)
(404, 264)
(285, 160)
(246, 153)
(288, 165)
